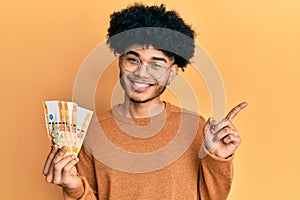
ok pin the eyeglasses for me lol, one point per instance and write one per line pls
(132, 63)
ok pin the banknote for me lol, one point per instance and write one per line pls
(66, 124)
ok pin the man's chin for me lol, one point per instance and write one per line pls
(136, 100)
(139, 100)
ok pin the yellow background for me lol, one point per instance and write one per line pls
(255, 45)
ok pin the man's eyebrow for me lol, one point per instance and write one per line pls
(159, 59)
(133, 52)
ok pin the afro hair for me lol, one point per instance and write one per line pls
(152, 25)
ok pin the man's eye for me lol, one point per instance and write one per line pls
(133, 60)
(157, 66)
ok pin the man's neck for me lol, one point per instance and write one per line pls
(141, 110)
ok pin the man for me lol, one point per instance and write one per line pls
(144, 124)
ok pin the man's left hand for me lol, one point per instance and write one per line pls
(222, 138)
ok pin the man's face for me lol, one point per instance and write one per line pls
(143, 84)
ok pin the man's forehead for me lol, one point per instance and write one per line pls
(148, 52)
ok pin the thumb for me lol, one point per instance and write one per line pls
(210, 124)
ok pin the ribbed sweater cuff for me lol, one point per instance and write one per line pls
(204, 153)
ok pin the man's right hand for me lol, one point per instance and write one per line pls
(61, 170)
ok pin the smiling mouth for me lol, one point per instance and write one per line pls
(140, 87)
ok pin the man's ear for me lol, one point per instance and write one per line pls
(120, 60)
(173, 72)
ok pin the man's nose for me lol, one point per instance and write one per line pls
(142, 71)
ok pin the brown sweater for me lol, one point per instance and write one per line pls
(157, 165)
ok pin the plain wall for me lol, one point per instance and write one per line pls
(255, 45)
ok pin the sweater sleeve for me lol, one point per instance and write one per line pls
(215, 173)
(86, 171)
(215, 177)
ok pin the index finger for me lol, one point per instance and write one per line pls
(236, 110)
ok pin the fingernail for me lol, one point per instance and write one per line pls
(212, 120)
(48, 179)
(64, 149)
(244, 104)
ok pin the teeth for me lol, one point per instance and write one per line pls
(140, 85)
